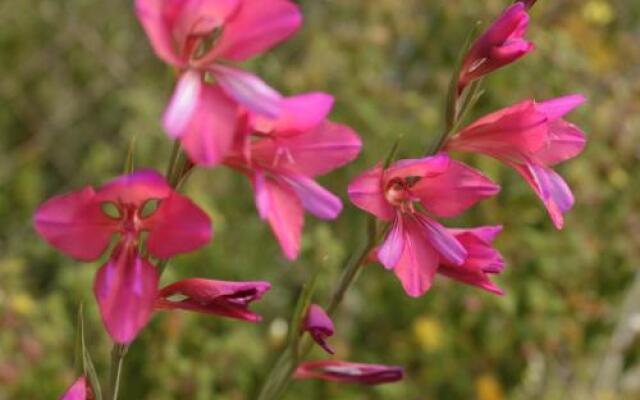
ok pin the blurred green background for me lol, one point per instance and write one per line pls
(79, 81)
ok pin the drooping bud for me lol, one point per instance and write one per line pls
(348, 372)
(319, 326)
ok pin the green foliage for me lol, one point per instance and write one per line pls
(79, 81)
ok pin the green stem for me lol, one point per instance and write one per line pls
(118, 352)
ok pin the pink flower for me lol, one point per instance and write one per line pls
(80, 390)
(227, 299)
(200, 37)
(349, 372)
(319, 326)
(531, 138)
(284, 156)
(126, 286)
(501, 44)
(416, 244)
(482, 259)
(527, 3)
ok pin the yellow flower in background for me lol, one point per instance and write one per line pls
(428, 333)
(598, 12)
(488, 388)
(23, 304)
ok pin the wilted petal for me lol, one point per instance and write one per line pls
(319, 326)
(551, 188)
(78, 391)
(348, 372)
(249, 91)
(183, 104)
(299, 114)
(227, 299)
(316, 152)
(135, 188)
(315, 199)
(256, 27)
(279, 204)
(177, 226)
(452, 192)
(209, 133)
(444, 242)
(126, 289)
(483, 258)
(391, 250)
(75, 224)
(419, 261)
(366, 192)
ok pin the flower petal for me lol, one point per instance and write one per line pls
(315, 199)
(419, 261)
(177, 226)
(393, 246)
(208, 296)
(451, 193)
(157, 19)
(75, 224)
(299, 114)
(256, 27)
(366, 192)
(564, 141)
(183, 104)
(558, 107)
(126, 289)
(444, 242)
(77, 391)
(319, 326)
(316, 152)
(551, 188)
(417, 167)
(209, 133)
(279, 204)
(135, 188)
(249, 90)
(349, 372)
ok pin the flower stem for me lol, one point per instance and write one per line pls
(118, 352)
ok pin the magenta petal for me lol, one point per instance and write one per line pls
(418, 167)
(77, 391)
(319, 326)
(443, 241)
(299, 114)
(391, 250)
(560, 106)
(366, 192)
(315, 199)
(156, 20)
(135, 188)
(451, 193)
(208, 135)
(483, 258)
(349, 372)
(183, 104)
(75, 224)
(316, 152)
(177, 226)
(419, 261)
(208, 296)
(564, 141)
(249, 90)
(126, 289)
(256, 27)
(279, 204)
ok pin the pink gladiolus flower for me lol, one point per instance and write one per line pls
(80, 390)
(227, 299)
(349, 372)
(416, 244)
(319, 326)
(199, 37)
(482, 258)
(287, 153)
(501, 44)
(531, 138)
(126, 286)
